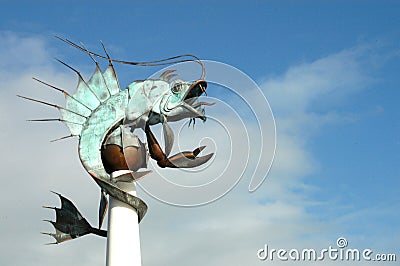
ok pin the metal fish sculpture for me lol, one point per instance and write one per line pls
(104, 117)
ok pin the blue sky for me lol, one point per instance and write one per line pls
(328, 69)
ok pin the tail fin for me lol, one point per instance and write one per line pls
(70, 223)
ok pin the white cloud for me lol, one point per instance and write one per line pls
(227, 232)
(326, 79)
(31, 165)
(231, 230)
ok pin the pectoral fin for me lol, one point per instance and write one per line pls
(168, 137)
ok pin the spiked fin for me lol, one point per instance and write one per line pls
(58, 236)
(98, 85)
(75, 120)
(86, 95)
(69, 223)
(111, 80)
(72, 103)
(65, 137)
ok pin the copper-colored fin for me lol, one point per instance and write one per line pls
(187, 159)
(155, 150)
(166, 72)
(169, 77)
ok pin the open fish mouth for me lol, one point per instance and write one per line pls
(196, 89)
(189, 107)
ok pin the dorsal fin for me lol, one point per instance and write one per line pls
(83, 92)
(110, 76)
(71, 102)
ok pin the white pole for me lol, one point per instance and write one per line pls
(123, 241)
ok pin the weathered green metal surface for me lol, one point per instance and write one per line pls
(100, 113)
(99, 124)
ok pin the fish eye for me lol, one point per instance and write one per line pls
(177, 87)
